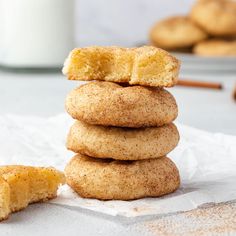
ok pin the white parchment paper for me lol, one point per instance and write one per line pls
(207, 164)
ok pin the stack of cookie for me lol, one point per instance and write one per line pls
(123, 129)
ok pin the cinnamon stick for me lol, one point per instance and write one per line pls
(199, 84)
(234, 93)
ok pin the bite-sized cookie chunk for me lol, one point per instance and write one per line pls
(29, 184)
(216, 47)
(109, 104)
(217, 17)
(176, 33)
(108, 179)
(122, 143)
(149, 66)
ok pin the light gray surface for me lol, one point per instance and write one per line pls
(46, 219)
(44, 94)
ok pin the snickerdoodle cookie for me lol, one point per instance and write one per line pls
(122, 143)
(109, 104)
(22, 185)
(216, 47)
(176, 32)
(217, 17)
(109, 179)
(147, 65)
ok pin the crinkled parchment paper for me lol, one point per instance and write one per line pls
(207, 164)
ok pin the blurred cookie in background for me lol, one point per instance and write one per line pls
(215, 47)
(216, 17)
(177, 33)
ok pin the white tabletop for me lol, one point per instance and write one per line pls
(43, 95)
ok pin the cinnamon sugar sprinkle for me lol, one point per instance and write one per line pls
(217, 220)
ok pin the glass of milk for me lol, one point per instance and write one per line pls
(36, 33)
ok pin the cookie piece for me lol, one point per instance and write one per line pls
(109, 104)
(215, 47)
(122, 143)
(217, 17)
(4, 199)
(149, 66)
(30, 184)
(176, 33)
(108, 179)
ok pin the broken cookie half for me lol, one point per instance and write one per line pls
(147, 65)
(23, 185)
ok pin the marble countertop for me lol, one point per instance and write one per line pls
(43, 94)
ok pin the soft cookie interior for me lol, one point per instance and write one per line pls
(146, 65)
(4, 199)
(22, 185)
